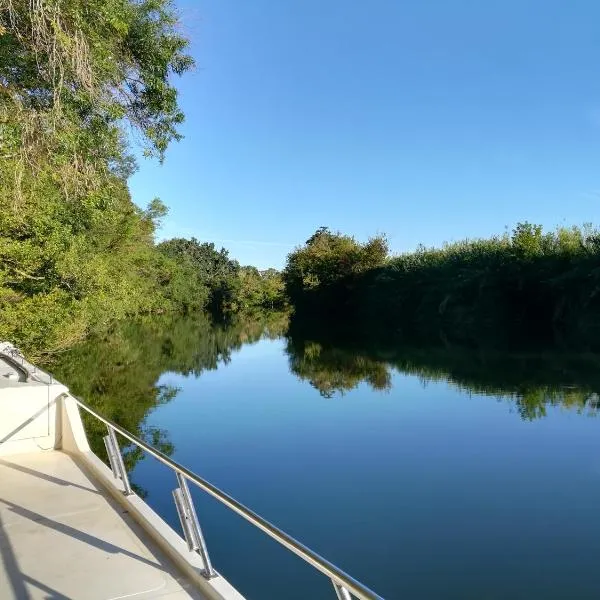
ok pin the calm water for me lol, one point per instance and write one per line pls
(425, 474)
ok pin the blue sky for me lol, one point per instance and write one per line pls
(427, 120)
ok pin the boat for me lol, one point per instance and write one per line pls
(72, 526)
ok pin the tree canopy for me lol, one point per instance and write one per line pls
(77, 78)
(80, 81)
(526, 286)
(328, 259)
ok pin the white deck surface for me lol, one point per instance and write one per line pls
(63, 538)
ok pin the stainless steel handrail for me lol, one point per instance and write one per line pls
(338, 576)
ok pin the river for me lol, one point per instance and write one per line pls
(424, 472)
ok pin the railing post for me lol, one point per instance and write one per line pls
(341, 591)
(191, 525)
(116, 460)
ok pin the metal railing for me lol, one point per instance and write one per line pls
(345, 586)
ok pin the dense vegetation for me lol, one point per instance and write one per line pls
(229, 287)
(79, 79)
(319, 275)
(74, 250)
(524, 286)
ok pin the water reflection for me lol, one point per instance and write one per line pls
(530, 381)
(334, 370)
(491, 494)
(118, 372)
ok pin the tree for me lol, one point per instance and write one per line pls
(328, 259)
(76, 76)
(231, 288)
(213, 268)
(259, 289)
(93, 64)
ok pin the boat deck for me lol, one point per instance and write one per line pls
(64, 538)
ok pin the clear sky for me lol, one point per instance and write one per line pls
(427, 120)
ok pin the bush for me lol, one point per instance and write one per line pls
(328, 262)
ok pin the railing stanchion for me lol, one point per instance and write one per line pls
(341, 591)
(190, 524)
(116, 460)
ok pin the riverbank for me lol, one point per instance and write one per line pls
(76, 252)
(523, 288)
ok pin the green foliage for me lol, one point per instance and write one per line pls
(75, 251)
(330, 262)
(212, 267)
(530, 285)
(259, 289)
(84, 66)
(231, 288)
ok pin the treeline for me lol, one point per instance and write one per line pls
(223, 286)
(76, 78)
(525, 287)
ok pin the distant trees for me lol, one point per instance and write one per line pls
(330, 262)
(211, 267)
(263, 289)
(230, 287)
(534, 286)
